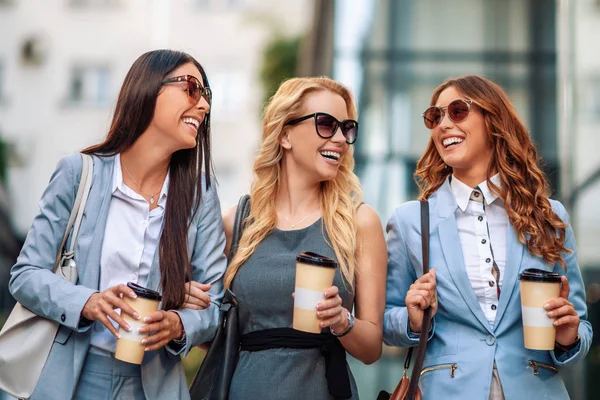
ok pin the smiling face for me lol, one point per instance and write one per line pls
(465, 145)
(305, 150)
(176, 117)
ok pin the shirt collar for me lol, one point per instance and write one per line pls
(118, 184)
(462, 192)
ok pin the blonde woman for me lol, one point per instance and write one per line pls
(305, 197)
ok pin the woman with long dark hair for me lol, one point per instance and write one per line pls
(153, 218)
(490, 218)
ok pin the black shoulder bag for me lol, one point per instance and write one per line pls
(214, 376)
(408, 389)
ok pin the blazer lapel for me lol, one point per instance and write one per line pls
(99, 199)
(514, 255)
(451, 247)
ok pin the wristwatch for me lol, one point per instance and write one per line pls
(348, 329)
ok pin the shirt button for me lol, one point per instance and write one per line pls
(490, 340)
(491, 283)
(493, 307)
(476, 194)
(487, 260)
(480, 218)
(483, 241)
(63, 317)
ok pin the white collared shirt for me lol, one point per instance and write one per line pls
(472, 220)
(130, 241)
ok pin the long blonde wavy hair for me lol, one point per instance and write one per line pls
(341, 195)
(524, 188)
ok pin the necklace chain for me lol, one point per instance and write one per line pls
(294, 225)
(139, 187)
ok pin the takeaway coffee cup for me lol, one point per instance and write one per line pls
(537, 288)
(129, 347)
(314, 274)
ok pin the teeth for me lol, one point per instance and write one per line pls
(192, 121)
(447, 142)
(331, 154)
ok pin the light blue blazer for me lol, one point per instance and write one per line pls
(34, 285)
(461, 334)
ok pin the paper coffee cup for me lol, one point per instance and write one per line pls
(314, 274)
(537, 288)
(129, 347)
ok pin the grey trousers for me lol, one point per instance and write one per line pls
(496, 392)
(106, 378)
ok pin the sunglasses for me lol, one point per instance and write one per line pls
(194, 89)
(327, 125)
(458, 110)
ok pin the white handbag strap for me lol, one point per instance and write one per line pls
(85, 183)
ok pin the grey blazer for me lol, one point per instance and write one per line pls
(34, 285)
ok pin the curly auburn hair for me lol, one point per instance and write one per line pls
(523, 188)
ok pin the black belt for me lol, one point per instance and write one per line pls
(336, 370)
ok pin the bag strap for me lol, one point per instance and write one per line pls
(85, 183)
(416, 372)
(241, 215)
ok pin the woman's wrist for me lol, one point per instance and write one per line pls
(345, 327)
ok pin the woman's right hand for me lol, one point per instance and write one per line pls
(421, 294)
(196, 297)
(102, 305)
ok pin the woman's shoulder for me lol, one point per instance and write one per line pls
(407, 211)
(560, 210)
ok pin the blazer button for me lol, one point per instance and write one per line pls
(63, 317)
(490, 340)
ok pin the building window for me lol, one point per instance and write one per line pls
(231, 92)
(89, 85)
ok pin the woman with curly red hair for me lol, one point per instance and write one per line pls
(491, 217)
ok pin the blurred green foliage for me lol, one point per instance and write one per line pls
(280, 59)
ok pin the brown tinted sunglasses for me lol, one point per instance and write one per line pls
(194, 88)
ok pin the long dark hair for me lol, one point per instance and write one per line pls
(524, 188)
(133, 114)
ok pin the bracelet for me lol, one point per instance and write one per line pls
(569, 347)
(181, 341)
(348, 329)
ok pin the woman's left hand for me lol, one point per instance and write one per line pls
(330, 311)
(567, 320)
(166, 326)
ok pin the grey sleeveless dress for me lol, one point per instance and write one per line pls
(263, 287)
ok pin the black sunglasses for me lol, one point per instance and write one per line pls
(327, 125)
(458, 110)
(194, 89)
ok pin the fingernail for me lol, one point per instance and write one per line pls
(555, 322)
(550, 313)
(128, 328)
(141, 330)
(136, 315)
(547, 306)
(326, 293)
(144, 341)
(146, 319)
(318, 314)
(133, 295)
(118, 336)
(318, 305)
(321, 324)
(147, 349)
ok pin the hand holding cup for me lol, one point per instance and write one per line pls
(566, 317)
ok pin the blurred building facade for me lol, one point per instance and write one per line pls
(393, 53)
(62, 63)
